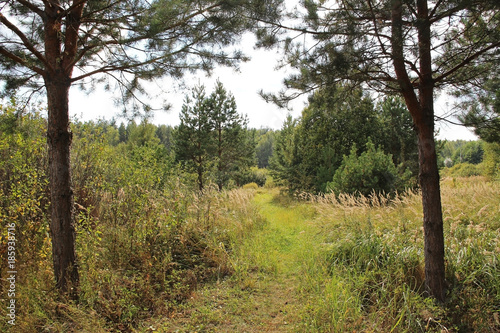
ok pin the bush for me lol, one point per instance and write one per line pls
(253, 175)
(252, 186)
(372, 171)
(491, 162)
(463, 170)
(269, 182)
(23, 183)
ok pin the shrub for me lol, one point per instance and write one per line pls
(491, 162)
(23, 182)
(253, 175)
(269, 182)
(463, 170)
(252, 186)
(372, 171)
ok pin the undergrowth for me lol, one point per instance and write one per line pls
(145, 238)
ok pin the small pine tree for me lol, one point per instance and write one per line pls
(193, 139)
(212, 139)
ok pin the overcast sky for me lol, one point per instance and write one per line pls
(257, 74)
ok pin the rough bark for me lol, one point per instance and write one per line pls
(429, 174)
(57, 80)
(62, 226)
(421, 109)
(433, 217)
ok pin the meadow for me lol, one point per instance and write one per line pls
(157, 255)
(355, 264)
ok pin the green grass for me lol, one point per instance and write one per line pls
(355, 265)
(259, 261)
(263, 295)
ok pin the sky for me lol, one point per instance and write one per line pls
(259, 73)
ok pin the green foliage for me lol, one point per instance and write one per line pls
(463, 170)
(166, 37)
(212, 140)
(471, 152)
(372, 171)
(234, 147)
(398, 135)
(336, 119)
(281, 162)
(253, 175)
(480, 104)
(23, 184)
(265, 139)
(194, 142)
(491, 163)
(165, 134)
(142, 134)
(460, 151)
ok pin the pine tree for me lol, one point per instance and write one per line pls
(232, 152)
(194, 144)
(212, 136)
(410, 48)
(51, 45)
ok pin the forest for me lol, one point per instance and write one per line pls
(351, 217)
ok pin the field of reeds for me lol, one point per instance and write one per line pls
(371, 277)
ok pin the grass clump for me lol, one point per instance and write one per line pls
(251, 186)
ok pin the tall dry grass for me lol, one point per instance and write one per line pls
(373, 276)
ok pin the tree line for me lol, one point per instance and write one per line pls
(310, 150)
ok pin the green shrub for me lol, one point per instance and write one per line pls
(23, 182)
(269, 182)
(491, 162)
(252, 186)
(253, 175)
(372, 171)
(463, 170)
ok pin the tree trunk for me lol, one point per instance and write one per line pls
(429, 174)
(433, 217)
(200, 177)
(62, 226)
(220, 181)
(421, 109)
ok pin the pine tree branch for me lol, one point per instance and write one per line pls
(25, 41)
(466, 61)
(21, 61)
(32, 7)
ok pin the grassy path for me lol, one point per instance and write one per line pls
(355, 268)
(264, 294)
